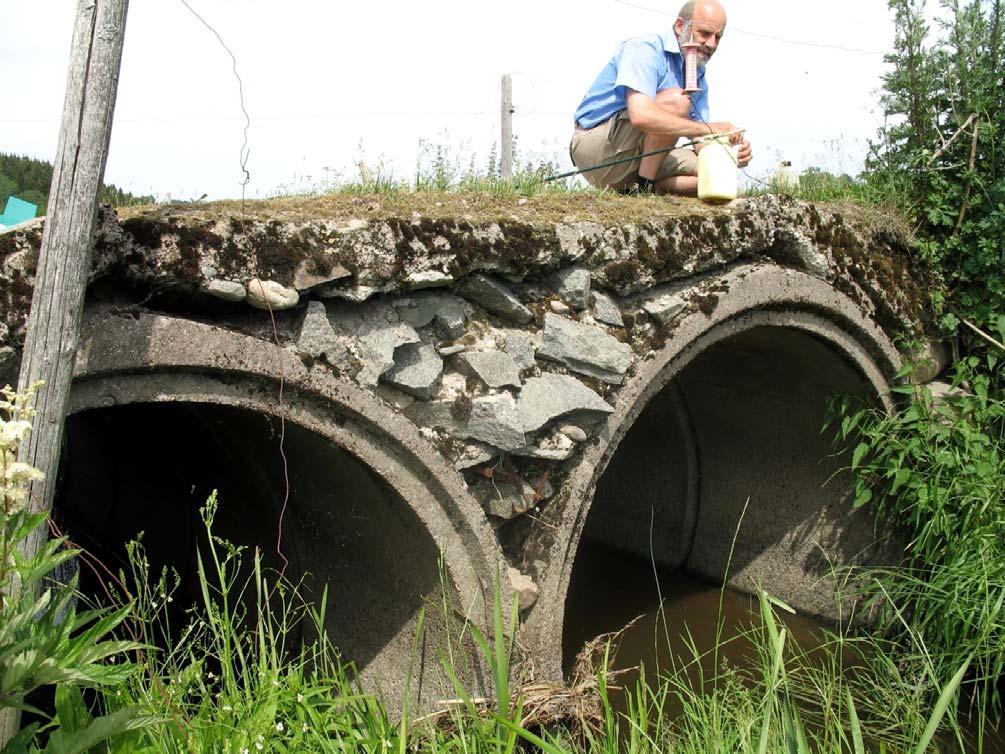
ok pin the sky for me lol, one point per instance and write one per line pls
(330, 84)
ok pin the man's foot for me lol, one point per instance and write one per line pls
(641, 187)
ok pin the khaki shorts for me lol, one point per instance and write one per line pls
(615, 139)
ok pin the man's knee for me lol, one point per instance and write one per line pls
(675, 101)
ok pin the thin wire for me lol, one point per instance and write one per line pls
(772, 37)
(282, 444)
(284, 117)
(245, 149)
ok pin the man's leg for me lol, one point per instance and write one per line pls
(612, 140)
(682, 185)
(676, 102)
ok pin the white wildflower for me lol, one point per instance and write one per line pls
(303, 727)
(13, 432)
(300, 697)
(280, 727)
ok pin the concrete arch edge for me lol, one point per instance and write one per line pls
(758, 295)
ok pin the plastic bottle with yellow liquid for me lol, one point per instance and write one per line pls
(717, 170)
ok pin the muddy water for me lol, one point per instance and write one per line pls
(610, 589)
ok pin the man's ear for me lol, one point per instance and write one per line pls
(678, 26)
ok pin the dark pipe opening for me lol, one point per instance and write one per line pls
(150, 467)
(742, 420)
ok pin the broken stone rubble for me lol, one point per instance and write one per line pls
(456, 341)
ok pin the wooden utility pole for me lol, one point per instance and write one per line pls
(506, 151)
(65, 260)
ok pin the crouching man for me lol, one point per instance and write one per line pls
(637, 104)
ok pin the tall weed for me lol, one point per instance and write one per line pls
(934, 472)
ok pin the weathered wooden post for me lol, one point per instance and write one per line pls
(506, 145)
(65, 260)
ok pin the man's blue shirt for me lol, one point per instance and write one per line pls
(646, 64)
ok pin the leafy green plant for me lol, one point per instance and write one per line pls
(239, 676)
(44, 639)
(941, 148)
(934, 472)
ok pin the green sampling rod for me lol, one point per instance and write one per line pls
(664, 150)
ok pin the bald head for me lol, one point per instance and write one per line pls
(704, 9)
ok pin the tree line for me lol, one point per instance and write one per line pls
(28, 178)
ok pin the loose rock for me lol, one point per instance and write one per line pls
(494, 368)
(416, 370)
(450, 318)
(521, 347)
(555, 447)
(524, 587)
(495, 297)
(550, 396)
(498, 498)
(495, 420)
(573, 285)
(228, 290)
(574, 433)
(268, 294)
(378, 339)
(665, 308)
(419, 312)
(585, 349)
(606, 310)
(316, 333)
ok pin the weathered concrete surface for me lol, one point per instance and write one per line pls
(629, 381)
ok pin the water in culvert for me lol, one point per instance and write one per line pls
(610, 590)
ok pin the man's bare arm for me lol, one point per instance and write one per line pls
(651, 118)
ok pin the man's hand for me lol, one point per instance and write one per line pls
(744, 153)
(725, 127)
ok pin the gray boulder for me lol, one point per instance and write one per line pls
(573, 285)
(378, 340)
(416, 370)
(494, 297)
(495, 420)
(550, 396)
(585, 349)
(606, 310)
(494, 368)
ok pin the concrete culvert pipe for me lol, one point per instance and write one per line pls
(164, 411)
(738, 426)
(149, 468)
(729, 414)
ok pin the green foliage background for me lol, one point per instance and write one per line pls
(946, 81)
(29, 179)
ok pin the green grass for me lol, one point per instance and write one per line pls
(238, 677)
(252, 669)
(234, 679)
(934, 472)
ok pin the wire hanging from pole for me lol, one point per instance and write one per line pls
(245, 149)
